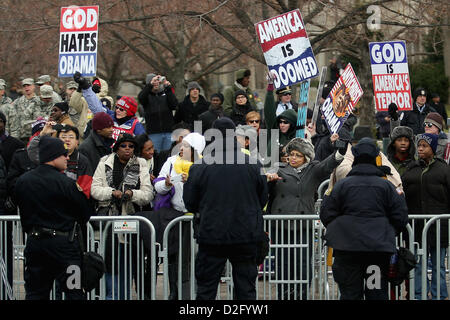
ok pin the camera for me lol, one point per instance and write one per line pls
(340, 144)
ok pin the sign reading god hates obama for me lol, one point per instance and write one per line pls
(78, 41)
(287, 49)
(342, 99)
(390, 75)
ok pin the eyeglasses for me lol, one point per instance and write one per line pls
(283, 122)
(124, 145)
(241, 97)
(71, 137)
(287, 94)
(253, 121)
(121, 109)
(428, 124)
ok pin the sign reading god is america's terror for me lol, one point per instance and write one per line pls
(390, 75)
(78, 41)
(287, 49)
(341, 100)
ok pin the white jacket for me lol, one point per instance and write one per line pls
(161, 188)
(101, 191)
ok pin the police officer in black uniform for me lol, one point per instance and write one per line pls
(50, 204)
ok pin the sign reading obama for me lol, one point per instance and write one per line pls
(78, 41)
(341, 100)
(287, 49)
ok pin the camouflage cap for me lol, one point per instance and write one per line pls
(28, 81)
(72, 85)
(46, 91)
(43, 79)
(3, 82)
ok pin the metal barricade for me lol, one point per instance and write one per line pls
(433, 248)
(127, 267)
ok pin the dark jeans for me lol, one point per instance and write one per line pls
(47, 259)
(361, 275)
(210, 262)
(293, 264)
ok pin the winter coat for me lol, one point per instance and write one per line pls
(294, 194)
(8, 145)
(158, 109)
(364, 212)
(161, 188)
(189, 113)
(239, 112)
(414, 118)
(228, 199)
(384, 125)
(399, 165)
(20, 163)
(346, 166)
(95, 147)
(3, 186)
(208, 117)
(229, 94)
(102, 185)
(427, 191)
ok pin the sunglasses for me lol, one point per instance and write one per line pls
(253, 121)
(287, 94)
(124, 145)
(121, 109)
(283, 122)
(428, 124)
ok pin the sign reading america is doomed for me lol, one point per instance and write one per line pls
(342, 99)
(390, 75)
(78, 41)
(287, 49)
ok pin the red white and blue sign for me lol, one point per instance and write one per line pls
(287, 49)
(390, 75)
(78, 41)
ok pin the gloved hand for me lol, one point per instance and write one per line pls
(83, 83)
(393, 111)
(341, 146)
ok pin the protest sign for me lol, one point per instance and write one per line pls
(390, 75)
(341, 100)
(78, 41)
(302, 109)
(287, 49)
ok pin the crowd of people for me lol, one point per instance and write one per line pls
(129, 156)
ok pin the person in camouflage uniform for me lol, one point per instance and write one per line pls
(21, 113)
(46, 80)
(4, 99)
(47, 102)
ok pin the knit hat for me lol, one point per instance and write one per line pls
(366, 147)
(51, 148)
(38, 125)
(303, 146)
(129, 104)
(149, 77)
(223, 124)
(3, 117)
(218, 95)
(431, 139)
(125, 138)
(242, 73)
(101, 121)
(240, 92)
(63, 106)
(434, 118)
(193, 85)
(196, 141)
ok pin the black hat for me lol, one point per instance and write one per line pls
(366, 147)
(63, 106)
(125, 138)
(240, 92)
(419, 92)
(362, 132)
(218, 95)
(51, 148)
(284, 90)
(223, 124)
